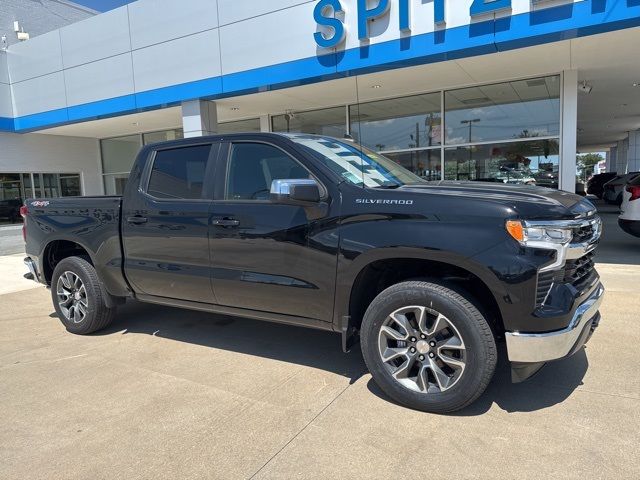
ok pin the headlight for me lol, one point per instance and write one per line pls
(535, 235)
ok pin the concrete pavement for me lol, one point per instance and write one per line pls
(166, 393)
(12, 271)
(11, 241)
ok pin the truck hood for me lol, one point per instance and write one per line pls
(528, 201)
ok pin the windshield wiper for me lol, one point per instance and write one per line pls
(389, 185)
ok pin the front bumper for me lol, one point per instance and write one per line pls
(543, 347)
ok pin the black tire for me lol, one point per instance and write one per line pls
(480, 348)
(96, 314)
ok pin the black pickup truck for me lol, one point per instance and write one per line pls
(313, 231)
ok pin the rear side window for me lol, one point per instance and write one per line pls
(178, 173)
(252, 168)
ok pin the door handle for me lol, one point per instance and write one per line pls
(137, 220)
(226, 222)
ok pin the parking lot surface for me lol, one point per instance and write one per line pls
(11, 241)
(166, 393)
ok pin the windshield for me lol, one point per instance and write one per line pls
(356, 164)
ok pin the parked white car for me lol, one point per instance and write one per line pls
(629, 219)
(614, 188)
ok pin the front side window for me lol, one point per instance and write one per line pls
(179, 173)
(252, 168)
(356, 164)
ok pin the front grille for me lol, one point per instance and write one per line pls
(583, 234)
(545, 281)
(580, 272)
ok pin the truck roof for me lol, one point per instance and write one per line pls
(218, 137)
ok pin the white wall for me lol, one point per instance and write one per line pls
(621, 159)
(6, 105)
(127, 53)
(33, 152)
(633, 154)
(612, 159)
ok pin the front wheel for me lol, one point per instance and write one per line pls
(428, 347)
(78, 298)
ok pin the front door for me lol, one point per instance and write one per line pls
(166, 225)
(261, 253)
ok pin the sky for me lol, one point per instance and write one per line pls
(102, 5)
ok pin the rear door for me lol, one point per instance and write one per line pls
(166, 224)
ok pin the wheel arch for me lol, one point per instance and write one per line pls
(57, 250)
(374, 271)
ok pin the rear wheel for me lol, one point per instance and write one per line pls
(78, 298)
(428, 347)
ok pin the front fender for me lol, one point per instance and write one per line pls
(348, 272)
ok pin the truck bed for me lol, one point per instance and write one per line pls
(93, 222)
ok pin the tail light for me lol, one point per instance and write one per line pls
(24, 211)
(634, 190)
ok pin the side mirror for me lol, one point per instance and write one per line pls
(295, 191)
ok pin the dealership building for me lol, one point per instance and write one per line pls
(494, 90)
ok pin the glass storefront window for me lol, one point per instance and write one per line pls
(119, 153)
(534, 162)
(26, 185)
(10, 186)
(503, 111)
(424, 163)
(329, 121)
(70, 185)
(36, 186)
(163, 136)
(15, 188)
(240, 126)
(50, 185)
(399, 123)
(114, 184)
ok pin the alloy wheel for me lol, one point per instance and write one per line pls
(422, 349)
(72, 297)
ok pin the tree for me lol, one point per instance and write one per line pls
(586, 164)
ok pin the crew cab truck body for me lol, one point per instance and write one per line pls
(319, 232)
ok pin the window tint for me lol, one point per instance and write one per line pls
(252, 168)
(179, 172)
